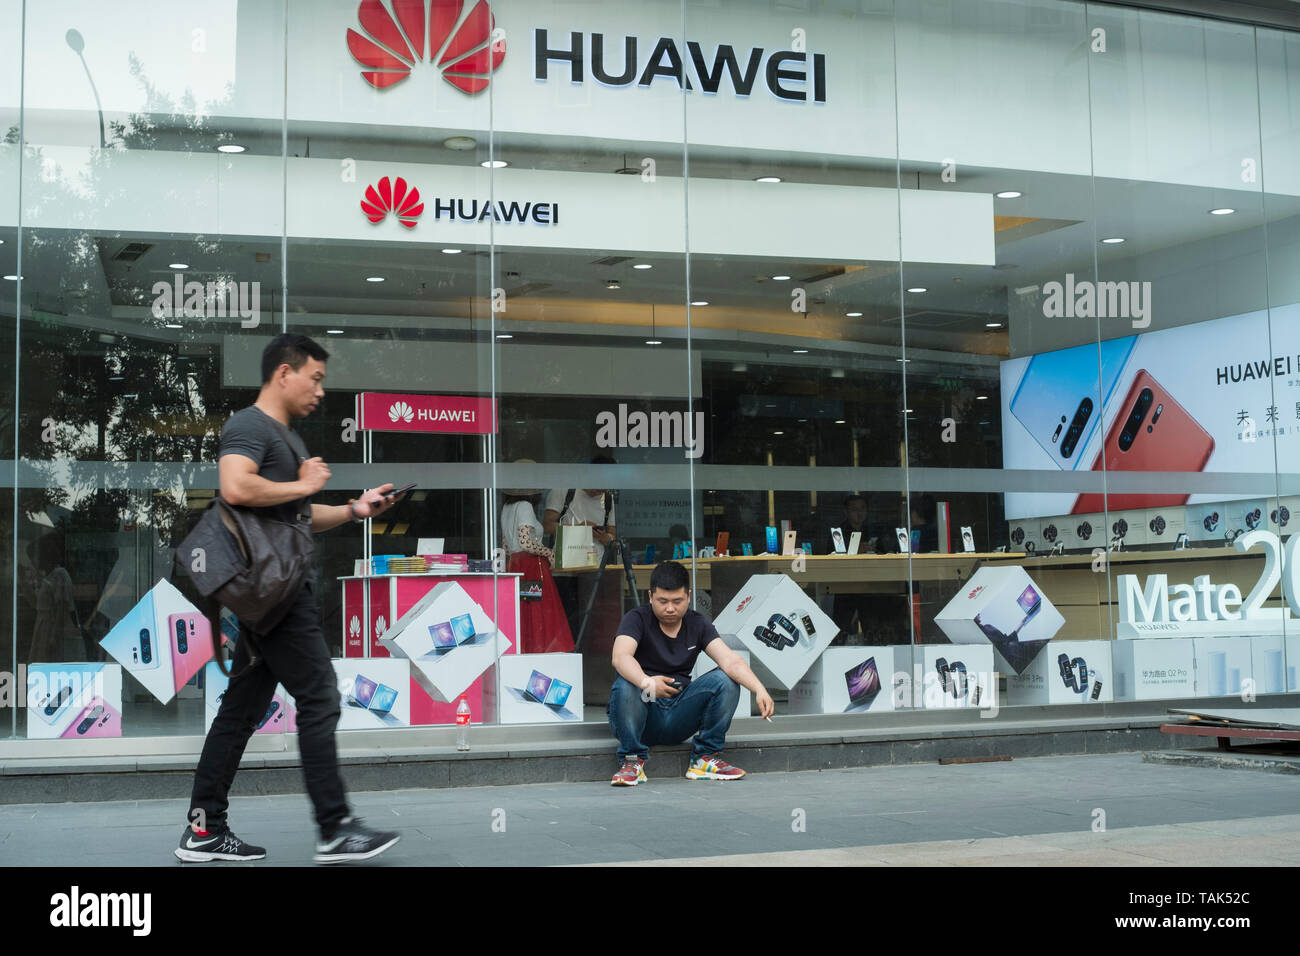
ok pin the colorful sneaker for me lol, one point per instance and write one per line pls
(712, 767)
(630, 773)
(206, 846)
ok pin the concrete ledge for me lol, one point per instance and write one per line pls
(170, 776)
(1226, 760)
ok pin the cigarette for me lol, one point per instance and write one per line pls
(768, 719)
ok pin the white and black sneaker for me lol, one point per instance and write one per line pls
(353, 842)
(206, 846)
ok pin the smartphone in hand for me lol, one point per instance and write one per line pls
(399, 491)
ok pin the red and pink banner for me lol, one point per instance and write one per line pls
(454, 414)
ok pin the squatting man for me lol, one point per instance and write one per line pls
(654, 700)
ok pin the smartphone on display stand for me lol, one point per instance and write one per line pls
(1151, 432)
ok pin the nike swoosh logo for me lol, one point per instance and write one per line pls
(333, 845)
(191, 845)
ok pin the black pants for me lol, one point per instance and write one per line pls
(295, 655)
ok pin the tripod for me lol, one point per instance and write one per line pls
(619, 544)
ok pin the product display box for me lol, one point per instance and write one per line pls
(1002, 606)
(1026, 535)
(782, 627)
(1223, 663)
(449, 640)
(1129, 526)
(162, 642)
(1065, 672)
(704, 663)
(847, 680)
(74, 701)
(1271, 664)
(1284, 515)
(954, 675)
(1213, 522)
(281, 715)
(1078, 532)
(1154, 668)
(375, 693)
(539, 688)
(1164, 525)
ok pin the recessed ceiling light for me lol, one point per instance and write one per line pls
(230, 148)
(904, 361)
(981, 398)
(333, 331)
(854, 315)
(992, 325)
(1112, 241)
(2, 242)
(654, 342)
(1009, 194)
(907, 411)
(800, 351)
(493, 163)
(643, 265)
(116, 378)
(374, 278)
(613, 284)
(11, 278)
(504, 335)
(460, 142)
(178, 265)
(778, 433)
(451, 252)
(173, 325)
(918, 289)
(1222, 211)
(839, 421)
(767, 179)
(700, 302)
(780, 278)
(802, 420)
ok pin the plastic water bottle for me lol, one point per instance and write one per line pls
(462, 725)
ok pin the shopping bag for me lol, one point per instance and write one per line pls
(574, 546)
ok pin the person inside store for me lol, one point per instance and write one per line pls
(852, 612)
(925, 528)
(580, 506)
(655, 701)
(264, 465)
(56, 612)
(543, 627)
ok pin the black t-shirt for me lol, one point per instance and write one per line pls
(657, 653)
(254, 434)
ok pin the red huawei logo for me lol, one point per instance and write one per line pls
(744, 604)
(394, 197)
(976, 591)
(464, 50)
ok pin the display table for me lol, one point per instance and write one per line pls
(371, 604)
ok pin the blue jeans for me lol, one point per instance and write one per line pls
(704, 708)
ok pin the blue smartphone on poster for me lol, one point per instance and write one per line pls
(1060, 399)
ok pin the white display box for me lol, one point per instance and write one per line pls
(375, 692)
(773, 603)
(1085, 676)
(1245, 515)
(74, 701)
(1164, 525)
(1001, 606)
(1083, 532)
(704, 663)
(419, 636)
(1222, 663)
(847, 680)
(281, 715)
(1131, 526)
(1270, 665)
(1154, 668)
(1025, 534)
(146, 644)
(955, 675)
(539, 688)
(1206, 522)
(1284, 515)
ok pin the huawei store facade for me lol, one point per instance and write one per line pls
(953, 345)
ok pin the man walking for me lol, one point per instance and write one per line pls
(264, 465)
(654, 700)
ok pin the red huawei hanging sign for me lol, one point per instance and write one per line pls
(449, 414)
(464, 50)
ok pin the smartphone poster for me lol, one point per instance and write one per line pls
(162, 642)
(1217, 396)
(74, 701)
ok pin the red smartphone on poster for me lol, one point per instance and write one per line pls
(724, 541)
(1152, 432)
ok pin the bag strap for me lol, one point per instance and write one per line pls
(568, 500)
(304, 507)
